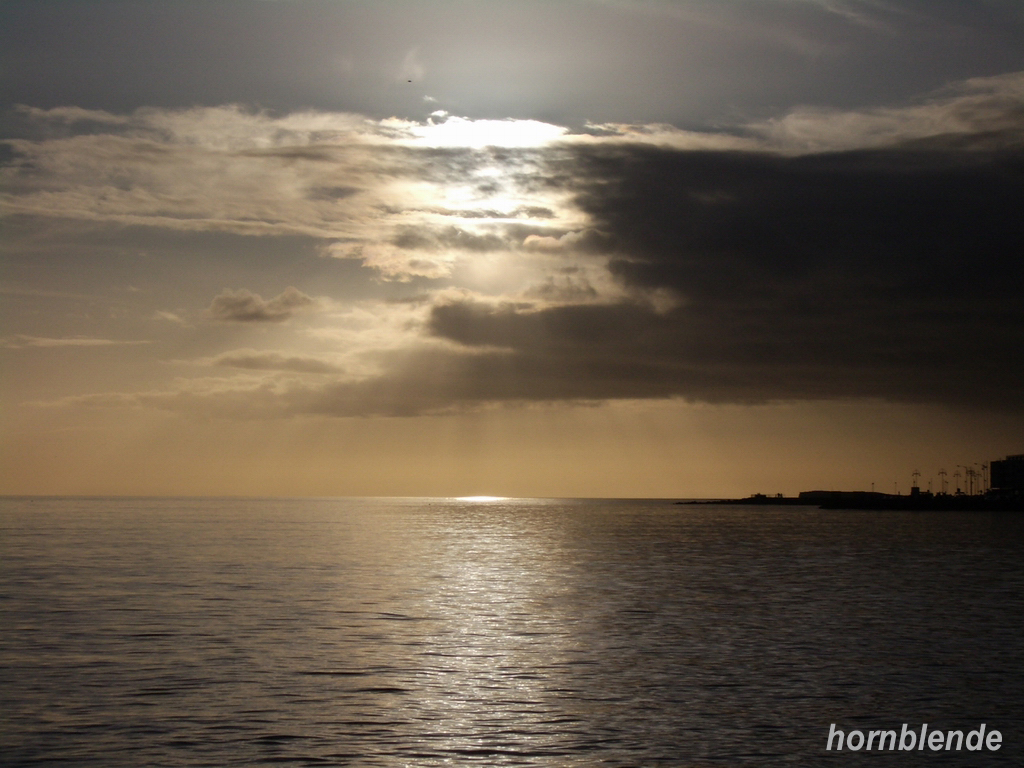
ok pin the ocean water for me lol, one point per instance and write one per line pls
(438, 632)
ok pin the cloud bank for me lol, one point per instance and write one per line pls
(820, 255)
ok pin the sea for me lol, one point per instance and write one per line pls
(501, 632)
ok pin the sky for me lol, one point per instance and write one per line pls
(604, 248)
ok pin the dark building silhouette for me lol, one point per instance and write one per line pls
(1008, 474)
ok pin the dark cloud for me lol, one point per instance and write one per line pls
(331, 193)
(563, 288)
(247, 307)
(584, 241)
(274, 361)
(888, 225)
(20, 341)
(524, 212)
(890, 273)
(443, 238)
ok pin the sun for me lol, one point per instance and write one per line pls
(476, 134)
(478, 499)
